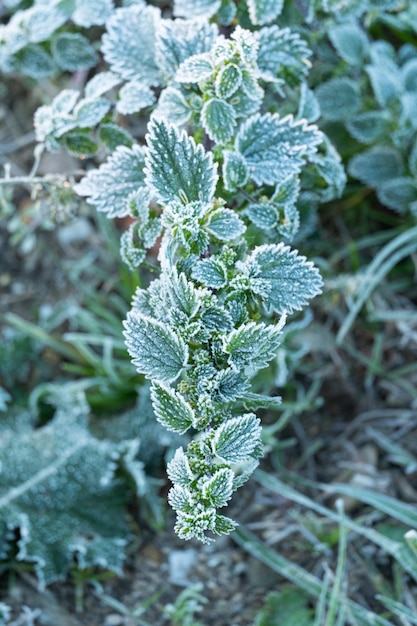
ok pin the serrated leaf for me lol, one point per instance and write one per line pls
(195, 69)
(180, 498)
(129, 44)
(339, 98)
(282, 55)
(376, 165)
(237, 438)
(80, 144)
(90, 111)
(210, 273)
(224, 525)
(225, 225)
(176, 168)
(218, 489)
(63, 497)
(73, 52)
(171, 410)
(253, 344)
(35, 62)
(274, 148)
(172, 107)
(398, 193)
(178, 469)
(235, 170)
(284, 279)
(38, 23)
(369, 126)
(156, 351)
(218, 119)
(229, 385)
(133, 97)
(130, 252)
(217, 319)
(181, 293)
(228, 80)
(350, 42)
(195, 525)
(197, 8)
(264, 11)
(177, 40)
(264, 215)
(100, 83)
(109, 187)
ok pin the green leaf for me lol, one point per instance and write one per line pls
(235, 170)
(178, 469)
(376, 165)
(80, 144)
(112, 135)
(100, 84)
(133, 97)
(283, 279)
(92, 12)
(289, 607)
(254, 344)
(90, 111)
(156, 351)
(264, 215)
(109, 188)
(264, 11)
(172, 107)
(129, 44)
(282, 55)
(218, 489)
(218, 119)
(370, 126)
(274, 148)
(228, 80)
(339, 98)
(225, 225)
(176, 168)
(181, 293)
(196, 8)
(210, 273)
(398, 193)
(35, 62)
(72, 52)
(131, 252)
(171, 410)
(350, 42)
(195, 69)
(238, 439)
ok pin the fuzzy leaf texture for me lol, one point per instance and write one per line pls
(282, 55)
(274, 148)
(129, 44)
(238, 439)
(156, 351)
(253, 344)
(64, 499)
(283, 279)
(171, 410)
(264, 11)
(197, 8)
(110, 187)
(176, 168)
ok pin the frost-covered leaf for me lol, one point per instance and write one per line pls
(330, 168)
(218, 489)
(64, 499)
(274, 148)
(156, 351)
(170, 408)
(282, 55)
(172, 107)
(264, 11)
(350, 42)
(129, 44)
(228, 80)
(238, 438)
(339, 98)
(90, 111)
(370, 126)
(113, 136)
(218, 119)
(217, 319)
(180, 498)
(177, 40)
(39, 22)
(398, 193)
(194, 525)
(225, 225)
(92, 12)
(284, 279)
(133, 97)
(178, 469)
(181, 293)
(72, 52)
(210, 273)
(224, 525)
(386, 82)
(176, 168)
(131, 252)
(35, 62)
(229, 384)
(195, 69)
(253, 344)
(409, 74)
(100, 84)
(235, 170)
(109, 187)
(196, 8)
(308, 107)
(376, 165)
(264, 215)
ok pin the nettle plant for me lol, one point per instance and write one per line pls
(219, 200)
